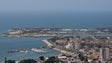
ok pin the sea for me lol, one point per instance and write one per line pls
(49, 20)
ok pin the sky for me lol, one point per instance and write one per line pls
(55, 5)
(60, 13)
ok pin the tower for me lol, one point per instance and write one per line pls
(104, 54)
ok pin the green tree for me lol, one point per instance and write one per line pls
(42, 58)
(28, 61)
(10, 61)
(51, 60)
(5, 59)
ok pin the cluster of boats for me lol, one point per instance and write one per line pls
(37, 50)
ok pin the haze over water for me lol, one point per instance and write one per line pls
(59, 13)
(59, 20)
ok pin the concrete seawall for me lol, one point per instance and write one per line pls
(60, 50)
(48, 43)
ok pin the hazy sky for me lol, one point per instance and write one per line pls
(55, 5)
(48, 12)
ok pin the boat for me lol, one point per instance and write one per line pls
(37, 50)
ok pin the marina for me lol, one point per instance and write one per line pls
(15, 45)
(37, 50)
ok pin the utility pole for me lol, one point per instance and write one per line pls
(5, 59)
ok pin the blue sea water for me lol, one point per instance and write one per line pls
(35, 20)
(7, 44)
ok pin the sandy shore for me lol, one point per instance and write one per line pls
(62, 51)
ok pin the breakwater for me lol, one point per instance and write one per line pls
(29, 35)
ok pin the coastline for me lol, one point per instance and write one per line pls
(48, 43)
(57, 49)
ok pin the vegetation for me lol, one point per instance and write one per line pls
(10, 61)
(28, 61)
(41, 58)
(51, 60)
(54, 39)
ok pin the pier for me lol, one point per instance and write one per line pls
(30, 35)
(37, 50)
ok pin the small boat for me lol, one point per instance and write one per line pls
(23, 51)
(37, 50)
(26, 52)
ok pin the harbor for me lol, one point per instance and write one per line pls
(24, 48)
(74, 44)
(37, 50)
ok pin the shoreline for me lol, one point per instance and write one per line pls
(27, 35)
(57, 49)
(48, 43)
